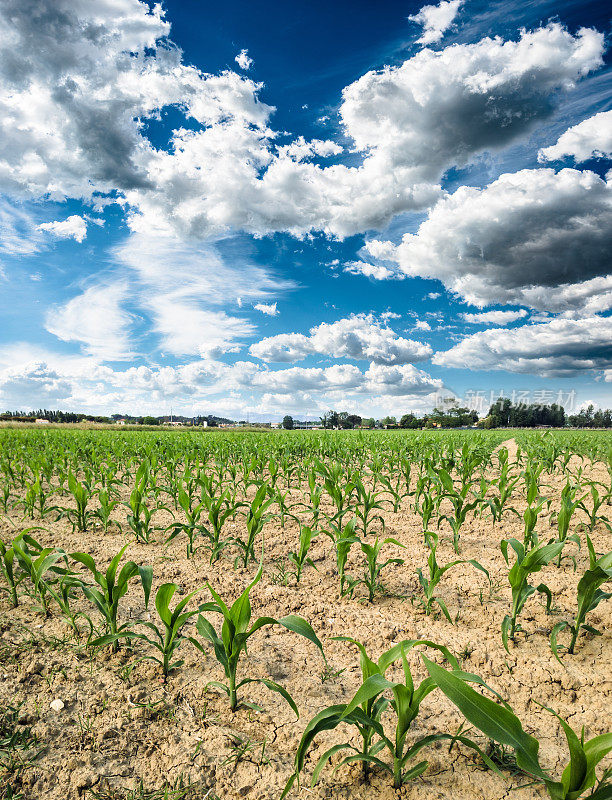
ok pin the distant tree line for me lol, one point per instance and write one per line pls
(71, 416)
(589, 418)
(502, 414)
(506, 414)
(340, 419)
(52, 416)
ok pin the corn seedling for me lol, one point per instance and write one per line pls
(81, 492)
(139, 520)
(500, 724)
(461, 505)
(590, 596)
(394, 488)
(569, 504)
(112, 587)
(284, 508)
(63, 593)
(8, 564)
(429, 583)
(315, 493)
(191, 527)
(343, 539)
(39, 564)
(339, 491)
(236, 630)
(527, 563)
(373, 567)
(364, 712)
(167, 638)
(505, 486)
(367, 503)
(107, 506)
(299, 558)
(597, 501)
(256, 517)
(218, 510)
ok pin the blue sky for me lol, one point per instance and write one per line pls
(283, 208)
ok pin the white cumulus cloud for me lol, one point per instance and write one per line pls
(360, 337)
(524, 239)
(436, 20)
(73, 227)
(79, 79)
(269, 309)
(243, 60)
(493, 317)
(591, 138)
(559, 347)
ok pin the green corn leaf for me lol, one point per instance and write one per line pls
(299, 625)
(495, 721)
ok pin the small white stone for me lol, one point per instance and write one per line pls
(57, 705)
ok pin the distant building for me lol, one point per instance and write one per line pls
(42, 422)
(120, 422)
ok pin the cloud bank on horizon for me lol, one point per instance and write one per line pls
(179, 232)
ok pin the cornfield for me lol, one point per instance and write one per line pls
(304, 614)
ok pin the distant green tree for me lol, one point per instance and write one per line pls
(288, 423)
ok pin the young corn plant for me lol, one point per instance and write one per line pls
(426, 508)
(460, 503)
(231, 642)
(590, 596)
(5, 497)
(527, 563)
(63, 592)
(139, 520)
(505, 486)
(340, 491)
(191, 527)
(36, 499)
(343, 539)
(256, 517)
(112, 587)
(569, 504)
(373, 567)
(593, 513)
(82, 493)
(315, 493)
(39, 564)
(219, 508)
(8, 563)
(500, 723)
(530, 519)
(435, 573)
(394, 489)
(284, 507)
(367, 503)
(168, 637)
(299, 558)
(364, 712)
(107, 507)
